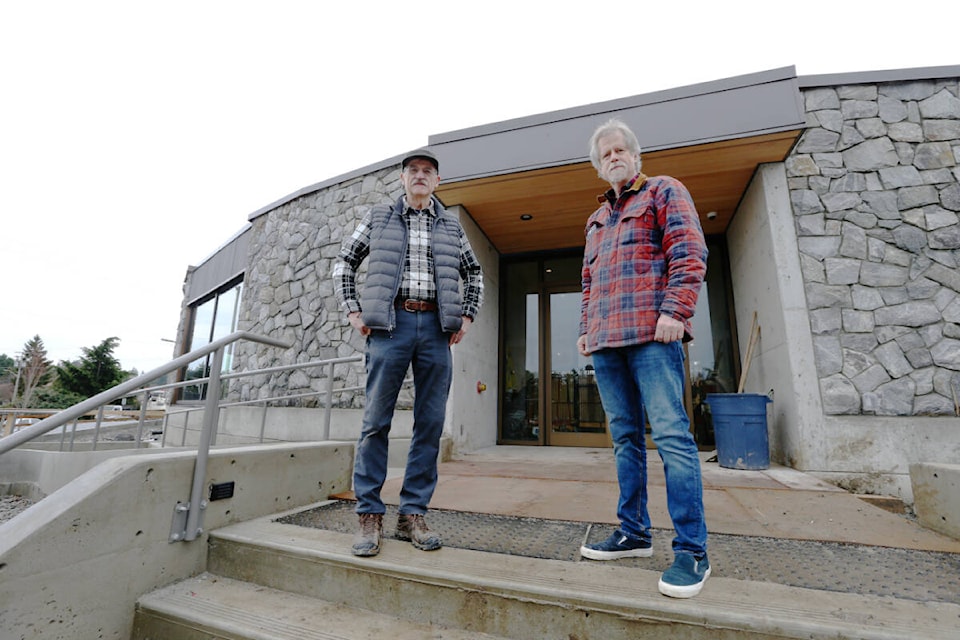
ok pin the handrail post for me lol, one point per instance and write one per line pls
(263, 422)
(211, 415)
(143, 415)
(96, 432)
(163, 436)
(329, 408)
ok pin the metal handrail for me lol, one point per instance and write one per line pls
(186, 514)
(145, 392)
(187, 517)
(329, 391)
(124, 388)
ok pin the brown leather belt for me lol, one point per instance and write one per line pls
(416, 305)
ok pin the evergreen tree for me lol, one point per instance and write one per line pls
(8, 367)
(53, 398)
(97, 370)
(35, 370)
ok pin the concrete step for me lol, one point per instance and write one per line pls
(531, 599)
(209, 606)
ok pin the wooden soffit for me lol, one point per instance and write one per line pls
(545, 209)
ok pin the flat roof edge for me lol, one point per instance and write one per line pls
(666, 95)
(245, 228)
(888, 75)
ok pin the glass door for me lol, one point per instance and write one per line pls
(574, 414)
(520, 404)
(549, 396)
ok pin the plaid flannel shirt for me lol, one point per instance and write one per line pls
(417, 279)
(645, 255)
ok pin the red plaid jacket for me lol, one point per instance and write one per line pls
(645, 255)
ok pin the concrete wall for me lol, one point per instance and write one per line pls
(471, 415)
(936, 488)
(72, 565)
(873, 455)
(244, 424)
(41, 472)
(765, 272)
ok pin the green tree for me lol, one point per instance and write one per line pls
(53, 398)
(8, 367)
(8, 373)
(35, 371)
(97, 370)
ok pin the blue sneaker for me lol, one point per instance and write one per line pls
(618, 545)
(686, 577)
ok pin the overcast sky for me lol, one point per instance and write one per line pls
(137, 137)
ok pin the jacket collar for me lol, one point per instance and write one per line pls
(635, 184)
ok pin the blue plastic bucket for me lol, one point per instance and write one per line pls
(740, 429)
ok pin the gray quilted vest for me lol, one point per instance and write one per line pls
(388, 247)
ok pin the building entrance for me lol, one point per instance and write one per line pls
(550, 395)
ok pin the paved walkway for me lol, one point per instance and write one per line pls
(777, 526)
(580, 485)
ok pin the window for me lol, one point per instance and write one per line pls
(213, 318)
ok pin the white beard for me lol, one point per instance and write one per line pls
(618, 174)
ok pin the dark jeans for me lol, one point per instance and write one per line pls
(417, 340)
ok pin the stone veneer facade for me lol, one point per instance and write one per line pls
(289, 280)
(875, 187)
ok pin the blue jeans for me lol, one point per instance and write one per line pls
(650, 378)
(417, 340)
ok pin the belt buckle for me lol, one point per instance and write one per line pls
(411, 306)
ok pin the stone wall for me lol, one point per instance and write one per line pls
(289, 290)
(875, 187)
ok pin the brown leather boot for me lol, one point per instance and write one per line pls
(414, 528)
(367, 540)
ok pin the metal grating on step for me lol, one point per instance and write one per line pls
(828, 566)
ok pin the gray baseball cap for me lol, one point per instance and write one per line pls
(424, 154)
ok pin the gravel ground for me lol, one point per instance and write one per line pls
(11, 506)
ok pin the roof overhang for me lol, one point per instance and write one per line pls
(529, 185)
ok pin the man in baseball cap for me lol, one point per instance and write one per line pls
(424, 287)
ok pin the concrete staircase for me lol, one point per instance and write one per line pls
(266, 580)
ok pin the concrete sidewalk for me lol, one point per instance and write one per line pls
(578, 484)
